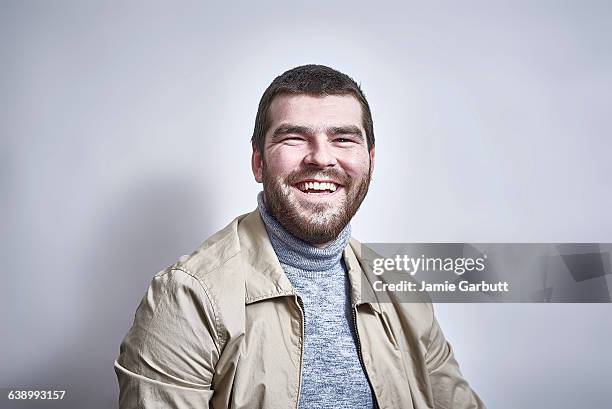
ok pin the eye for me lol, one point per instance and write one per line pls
(344, 140)
(293, 140)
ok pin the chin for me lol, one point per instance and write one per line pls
(320, 221)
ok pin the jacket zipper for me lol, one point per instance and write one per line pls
(354, 311)
(302, 324)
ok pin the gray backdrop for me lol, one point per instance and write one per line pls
(125, 143)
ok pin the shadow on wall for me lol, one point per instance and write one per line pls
(138, 234)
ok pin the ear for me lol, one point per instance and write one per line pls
(372, 159)
(257, 165)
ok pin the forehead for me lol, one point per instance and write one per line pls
(315, 110)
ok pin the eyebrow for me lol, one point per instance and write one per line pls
(345, 130)
(288, 129)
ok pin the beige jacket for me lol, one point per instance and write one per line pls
(222, 328)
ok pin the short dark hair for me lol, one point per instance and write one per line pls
(316, 80)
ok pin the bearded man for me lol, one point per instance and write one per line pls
(269, 312)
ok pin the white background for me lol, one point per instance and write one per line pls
(125, 142)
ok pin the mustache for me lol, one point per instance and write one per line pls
(332, 174)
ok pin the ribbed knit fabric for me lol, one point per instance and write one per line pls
(332, 375)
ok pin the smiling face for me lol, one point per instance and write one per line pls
(316, 166)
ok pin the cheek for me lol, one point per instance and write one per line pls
(356, 164)
(283, 161)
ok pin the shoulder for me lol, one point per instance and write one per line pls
(213, 253)
(219, 258)
(210, 280)
(218, 264)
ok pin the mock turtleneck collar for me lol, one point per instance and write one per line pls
(298, 253)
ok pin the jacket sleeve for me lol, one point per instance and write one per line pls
(450, 390)
(167, 358)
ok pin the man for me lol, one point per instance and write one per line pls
(269, 312)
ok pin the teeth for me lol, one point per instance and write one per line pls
(318, 186)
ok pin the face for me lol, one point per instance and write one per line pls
(316, 166)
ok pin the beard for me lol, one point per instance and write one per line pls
(314, 223)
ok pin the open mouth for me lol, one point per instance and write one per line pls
(317, 187)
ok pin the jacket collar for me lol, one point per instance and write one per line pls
(265, 278)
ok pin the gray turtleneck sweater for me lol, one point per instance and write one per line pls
(332, 375)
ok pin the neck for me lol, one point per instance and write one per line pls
(294, 251)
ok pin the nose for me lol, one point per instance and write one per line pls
(320, 154)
